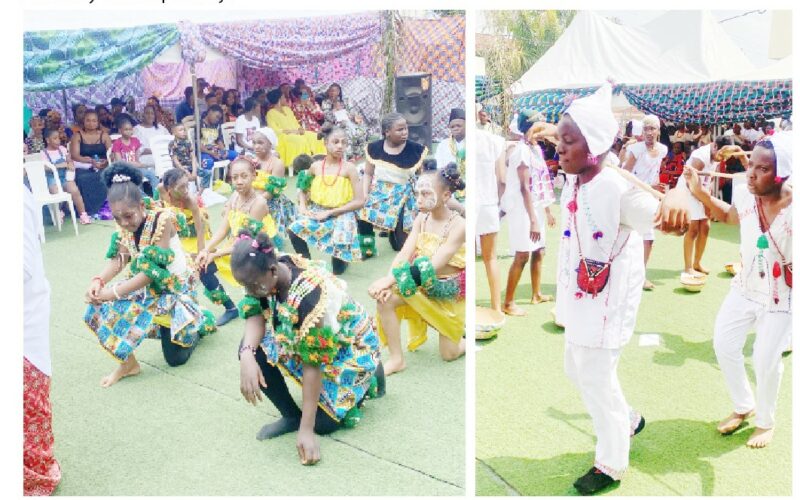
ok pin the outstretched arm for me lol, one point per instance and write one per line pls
(719, 209)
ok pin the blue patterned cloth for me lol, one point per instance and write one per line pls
(121, 325)
(283, 211)
(336, 236)
(383, 205)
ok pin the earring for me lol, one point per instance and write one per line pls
(591, 160)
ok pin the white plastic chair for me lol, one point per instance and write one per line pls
(159, 145)
(32, 157)
(35, 170)
(114, 137)
(228, 133)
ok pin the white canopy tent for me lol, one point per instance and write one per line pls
(676, 47)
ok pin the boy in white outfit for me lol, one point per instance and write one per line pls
(761, 293)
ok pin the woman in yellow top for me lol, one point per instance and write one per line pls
(329, 194)
(293, 140)
(271, 180)
(427, 281)
(245, 208)
(194, 231)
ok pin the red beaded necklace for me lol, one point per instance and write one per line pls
(338, 172)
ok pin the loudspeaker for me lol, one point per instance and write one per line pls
(412, 99)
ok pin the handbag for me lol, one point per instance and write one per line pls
(593, 275)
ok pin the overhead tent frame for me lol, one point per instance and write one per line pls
(716, 85)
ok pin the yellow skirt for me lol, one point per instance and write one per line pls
(290, 146)
(445, 316)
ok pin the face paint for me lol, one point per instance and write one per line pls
(426, 195)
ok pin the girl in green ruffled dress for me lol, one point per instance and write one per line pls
(302, 324)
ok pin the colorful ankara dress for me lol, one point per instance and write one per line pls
(441, 304)
(391, 197)
(336, 236)
(169, 301)
(292, 145)
(345, 346)
(280, 207)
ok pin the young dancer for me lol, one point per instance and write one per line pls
(644, 160)
(704, 159)
(194, 232)
(245, 208)
(271, 179)
(761, 293)
(301, 323)
(526, 201)
(159, 284)
(489, 188)
(426, 282)
(329, 193)
(392, 165)
(601, 273)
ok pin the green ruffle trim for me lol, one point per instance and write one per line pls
(427, 273)
(156, 195)
(249, 306)
(148, 202)
(253, 226)
(272, 185)
(184, 230)
(218, 296)
(405, 282)
(352, 417)
(372, 392)
(319, 347)
(208, 325)
(153, 262)
(113, 247)
(444, 289)
(304, 180)
(367, 244)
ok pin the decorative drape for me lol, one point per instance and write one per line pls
(433, 46)
(55, 60)
(708, 103)
(167, 81)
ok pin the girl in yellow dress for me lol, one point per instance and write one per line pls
(329, 194)
(175, 195)
(245, 208)
(293, 140)
(271, 179)
(427, 281)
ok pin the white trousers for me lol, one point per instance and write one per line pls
(594, 372)
(735, 319)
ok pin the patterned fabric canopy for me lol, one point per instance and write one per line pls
(306, 45)
(708, 103)
(433, 46)
(55, 60)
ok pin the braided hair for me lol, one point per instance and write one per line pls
(123, 181)
(252, 256)
(172, 176)
(449, 175)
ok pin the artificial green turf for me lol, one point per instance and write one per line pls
(534, 436)
(188, 431)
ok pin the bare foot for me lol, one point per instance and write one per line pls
(700, 269)
(760, 438)
(648, 285)
(694, 272)
(394, 366)
(538, 299)
(127, 369)
(514, 310)
(733, 422)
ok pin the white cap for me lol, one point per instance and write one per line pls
(595, 120)
(269, 134)
(782, 145)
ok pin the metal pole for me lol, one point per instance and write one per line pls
(64, 102)
(196, 115)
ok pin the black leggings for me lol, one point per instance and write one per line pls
(278, 394)
(174, 354)
(209, 280)
(397, 238)
(300, 246)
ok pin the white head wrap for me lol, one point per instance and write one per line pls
(270, 135)
(595, 120)
(782, 144)
(651, 120)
